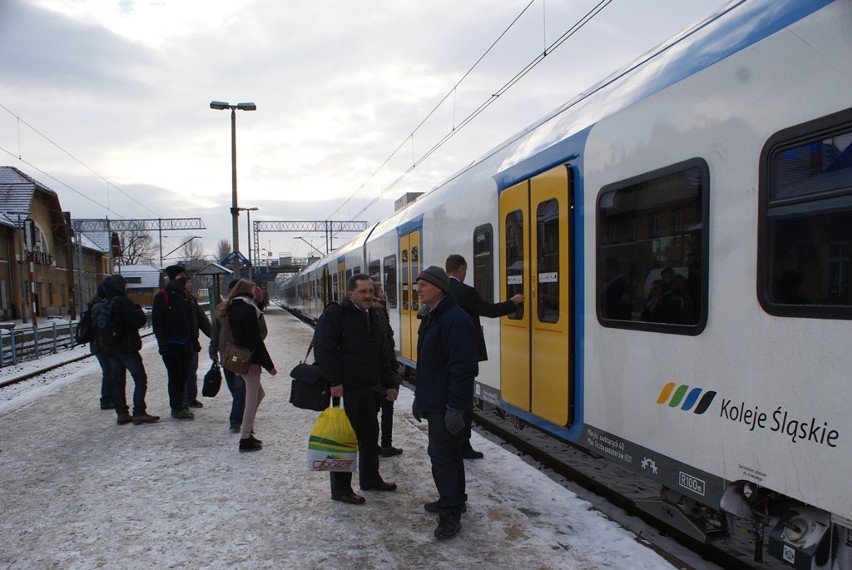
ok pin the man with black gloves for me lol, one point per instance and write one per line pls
(446, 366)
(177, 319)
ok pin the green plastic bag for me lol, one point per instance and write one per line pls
(333, 445)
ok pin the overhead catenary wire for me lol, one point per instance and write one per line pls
(452, 92)
(548, 49)
(77, 160)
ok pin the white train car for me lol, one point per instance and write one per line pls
(682, 233)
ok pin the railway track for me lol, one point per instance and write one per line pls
(619, 487)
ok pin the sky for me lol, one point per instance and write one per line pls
(180, 495)
(107, 102)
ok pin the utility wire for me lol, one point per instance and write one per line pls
(80, 162)
(452, 92)
(484, 105)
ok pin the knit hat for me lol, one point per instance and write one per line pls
(437, 277)
(174, 270)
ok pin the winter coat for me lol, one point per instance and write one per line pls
(349, 351)
(390, 346)
(469, 300)
(446, 359)
(178, 319)
(95, 344)
(128, 318)
(244, 322)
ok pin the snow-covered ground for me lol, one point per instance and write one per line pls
(79, 491)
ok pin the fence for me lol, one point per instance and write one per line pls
(29, 343)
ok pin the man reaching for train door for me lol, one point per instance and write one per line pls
(475, 306)
(446, 367)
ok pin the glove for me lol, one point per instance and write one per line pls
(415, 412)
(454, 420)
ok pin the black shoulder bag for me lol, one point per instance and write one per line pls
(308, 390)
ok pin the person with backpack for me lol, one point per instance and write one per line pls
(86, 334)
(177, 319)
(117, 322)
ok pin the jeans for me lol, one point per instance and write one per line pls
(237, 386)
(191, 390)
(177, 361)
(120, 364)
(447, 464)
(106, 377)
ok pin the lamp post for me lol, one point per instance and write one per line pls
(248, 212)
(235, 211)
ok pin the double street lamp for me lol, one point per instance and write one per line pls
(235, 210)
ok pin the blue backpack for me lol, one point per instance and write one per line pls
(105, 321)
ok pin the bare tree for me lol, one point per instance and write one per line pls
(193, 249)
(138, 247)
(223, 250)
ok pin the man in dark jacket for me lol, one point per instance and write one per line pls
(122, 348)
(349, 346)
(177, 319)
(474, 305)
(446, 367)
(385, 406)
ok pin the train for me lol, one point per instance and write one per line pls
(682, 233)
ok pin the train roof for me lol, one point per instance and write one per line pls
(562, 133)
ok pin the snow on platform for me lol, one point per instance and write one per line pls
(79, 491)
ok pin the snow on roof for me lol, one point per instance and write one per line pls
(140, 276)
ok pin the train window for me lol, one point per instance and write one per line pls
(483, 262)
(415, 270)
(374, 269)
(406, 282)
(805, 225)
(514, 232)
(547, 240)
(652, 251)
(390, 280)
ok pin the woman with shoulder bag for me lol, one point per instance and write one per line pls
(243, 314)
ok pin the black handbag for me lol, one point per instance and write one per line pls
(308, 390)
(212, 381)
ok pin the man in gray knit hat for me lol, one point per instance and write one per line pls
(446, 366)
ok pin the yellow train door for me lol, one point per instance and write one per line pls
(535, 344)
(341, 281)
(409, 268)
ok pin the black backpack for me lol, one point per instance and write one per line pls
(85, 332)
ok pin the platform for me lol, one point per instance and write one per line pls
(79, 491)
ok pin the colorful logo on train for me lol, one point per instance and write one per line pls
(696, 400)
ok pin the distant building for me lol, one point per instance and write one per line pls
(143, 282)
(36, 254)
